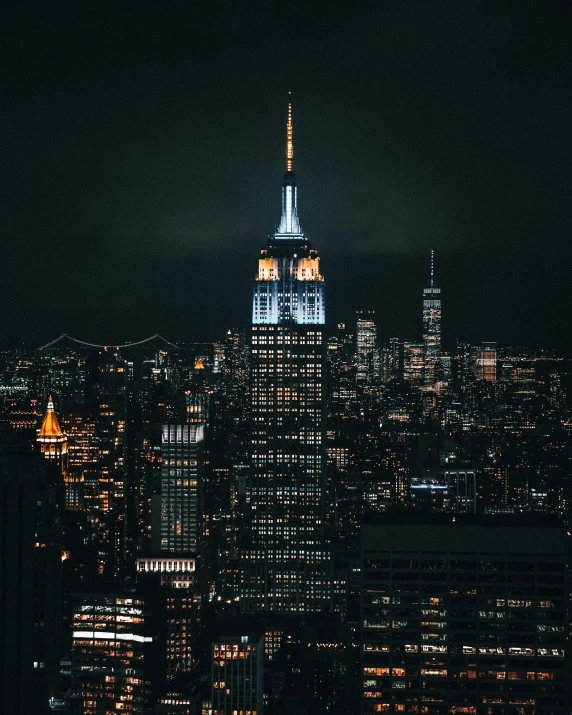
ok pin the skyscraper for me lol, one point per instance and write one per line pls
(431, 327)
(485, 362)
(413, 363)
(182, 488)
(83, 459)
(286, 560)
(366, 336)
(235, 368)
(111, 436)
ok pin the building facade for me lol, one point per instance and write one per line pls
(108, 654)
(464, 617)
(485, 362)
(182, 477)
(414, 363)
(238, 675)
(286, 559)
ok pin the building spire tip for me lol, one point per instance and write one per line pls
(289, 138)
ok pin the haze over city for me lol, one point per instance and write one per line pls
(142, 145)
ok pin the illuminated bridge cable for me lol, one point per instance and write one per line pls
(94, 345)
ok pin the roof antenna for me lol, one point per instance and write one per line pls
(289, 140)
(432, 268)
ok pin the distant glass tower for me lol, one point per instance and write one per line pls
(414, 363)
(286, 559)
(485, 362)
(431, 327)
(366, 337)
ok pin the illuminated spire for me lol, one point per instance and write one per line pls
(432, 268)
(289, 140)
(53, 442)
(289, 224)
(50, 425)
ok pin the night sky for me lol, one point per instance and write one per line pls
(143, 150)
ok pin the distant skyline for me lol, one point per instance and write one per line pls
(143, 155)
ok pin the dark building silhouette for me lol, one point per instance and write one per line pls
(30, 578)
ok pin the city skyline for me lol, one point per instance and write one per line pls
(307, 455)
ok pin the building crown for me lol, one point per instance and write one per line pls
(50, 425)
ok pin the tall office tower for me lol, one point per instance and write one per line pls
(53, 442)
(462, 364)
(286, 557)
(182, 485)
(113, 418)
(485, 362)
(413, 363)
(467, 616)
(80, 423)
(431, 328)
(238, 675)
(366, 336)
(30, 579)
(177, 531)
(395, 359)
(111, 435)
(342, 374)
(108, 654)
(175, 602)
(83, 455)
(235, 369)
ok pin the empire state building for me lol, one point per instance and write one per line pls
(286, 556)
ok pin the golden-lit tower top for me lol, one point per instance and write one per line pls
(289, 140)
(53, 442)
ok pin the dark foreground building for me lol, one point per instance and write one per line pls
(468, 616)
(30, 579)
